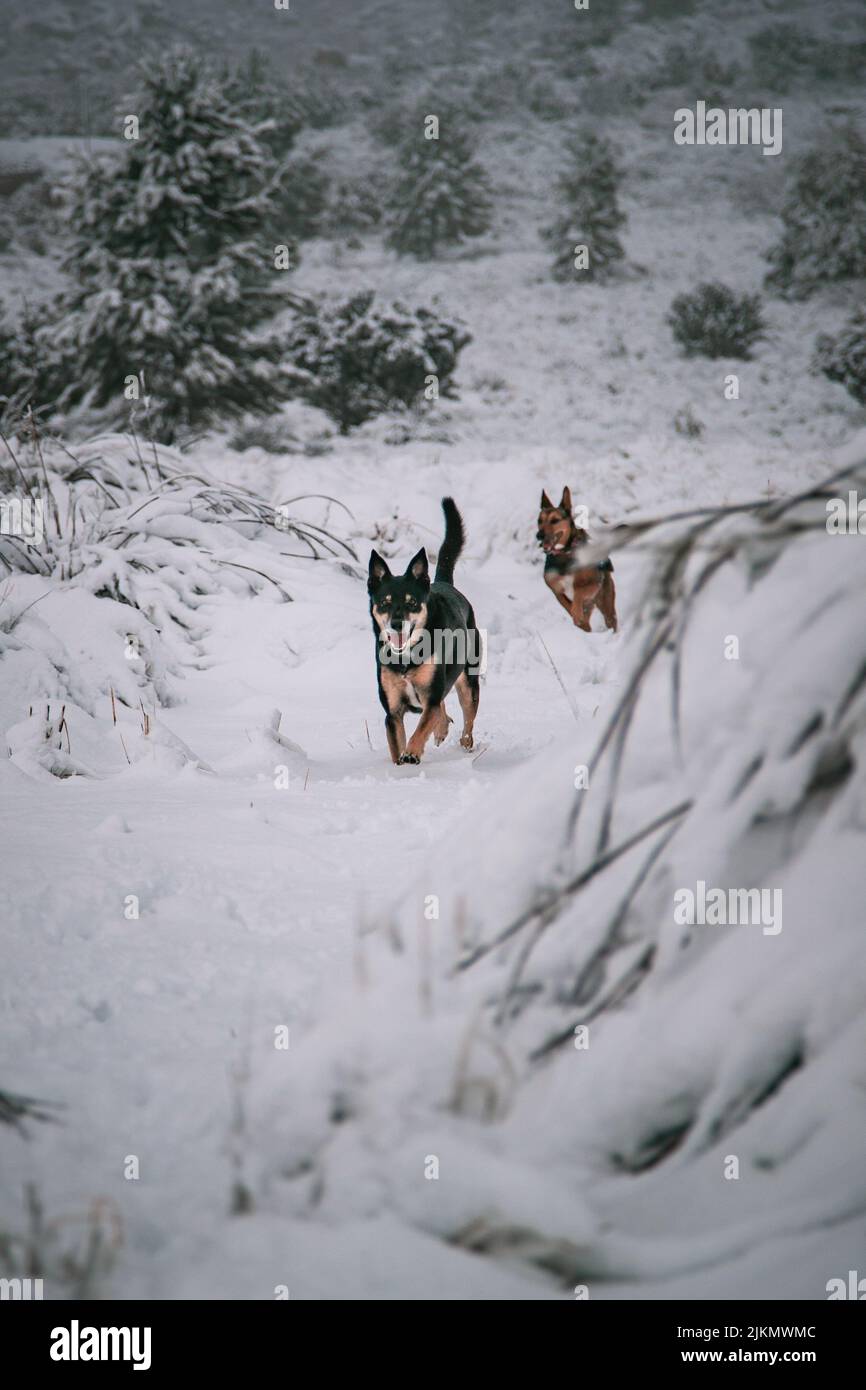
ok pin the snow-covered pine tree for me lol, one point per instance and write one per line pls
(823, 218)
(173, 264)
(591, 215)
(441, 195)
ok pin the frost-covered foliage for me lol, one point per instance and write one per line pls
(302, 197)
(73, 1252)
(714, 321)
(355, 209)
(441, 195)
(28, 217)
(843, 358)
(9, 370)
(135, 546)
(591, 217)
(323, 102)
(824, 216)
(29, 371)
(171, 262)
(356, 359)
(555, 1016)
(685, 65)
(784, 52)
(497, 89)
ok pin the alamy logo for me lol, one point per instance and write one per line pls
(76, 1343)
(737, 126)
(854, 1288)
(22, 517)
(729, 907)
(846, 518)
(21, 1290)
(444, 645)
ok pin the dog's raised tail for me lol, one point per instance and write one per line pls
(452, 544)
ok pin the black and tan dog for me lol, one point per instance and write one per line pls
(426, 644)
(579, 588)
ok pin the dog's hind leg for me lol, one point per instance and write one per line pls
(467, 689)
(606, 602)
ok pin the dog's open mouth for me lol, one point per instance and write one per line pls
(399, 640)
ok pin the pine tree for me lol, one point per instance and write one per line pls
(173, 265)
(441, 195)
(591, 215)
(823, 218)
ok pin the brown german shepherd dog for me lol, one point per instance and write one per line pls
(579, 588)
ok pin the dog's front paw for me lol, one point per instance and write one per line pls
(467, 741)
(409, 758)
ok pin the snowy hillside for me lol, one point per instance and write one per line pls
(292, 1016)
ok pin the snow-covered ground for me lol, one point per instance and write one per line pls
(156, 1033)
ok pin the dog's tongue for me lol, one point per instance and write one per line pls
(397, 640)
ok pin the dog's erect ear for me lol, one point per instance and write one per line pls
(546, 504)
(417, 566)
(377, 572)
(565, 504)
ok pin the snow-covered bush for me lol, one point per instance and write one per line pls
(390, 120)
(29, 373)
(355, 209)
(28, 217)
(591, 216)
(173, 269)
(355, 359)
(155, 540)
(496, 90)
(783, 53)
(547, 102)
(441, 195)
(714, 321)
(577, 1057)
(843, 358)
(824, 217)
(302, 197)
(323, 103)
(684, 65)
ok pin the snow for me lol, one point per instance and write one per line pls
(264, 906)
